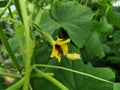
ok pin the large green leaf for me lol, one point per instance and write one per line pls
(71, 16)
(48, 24)
(75, 81)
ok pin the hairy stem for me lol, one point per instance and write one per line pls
(7, 46)
(6, 7)
(10, 75)
(77, 72)
(29, 43)
(53, 80)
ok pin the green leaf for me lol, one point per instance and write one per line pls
(113, 17)
(48, 24)
(50, 78)
(94, 45)
(75, 81)
(98, 36)
(8, 48)
(13, 44)
(5, 8)
(105, 26)
(17, 5)
(116, 37)
(42, 54)
(66, 16)
(2, 83)
(116, 86)
(2, 3)
(104, 73)
(79, 82)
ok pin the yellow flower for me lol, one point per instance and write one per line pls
(73, 56)
(59, 48)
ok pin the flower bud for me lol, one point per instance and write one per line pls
(73, 56)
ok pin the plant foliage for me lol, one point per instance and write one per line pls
(29, 33)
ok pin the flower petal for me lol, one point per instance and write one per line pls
(54, 52)
(58, 57)
(66, 41)
(64, 48)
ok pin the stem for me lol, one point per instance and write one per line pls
(96, 14)
(7, 46)
(10, 75)
(21, 46)
(17, 85)
(19, 39)
(108, 7)
(53, 80)
(39, 15)
(8, 4)
(78, 72)
(46, 36)
(81, 1)
(15, 21)
(10, 12)
(30, 44)
(86, 2)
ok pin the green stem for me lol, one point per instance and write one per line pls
(16, 21)
(46, 36)
(10, 75)
(39, 15)
(86, 2)
(17, 85)
(78, 72)
(10, 12)
(53, 80)
(19, 39)
(30, 44)
(6, 7)
(96, 14)
(7, 46)
(81, 1)
(108, 7)
(21, 46)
